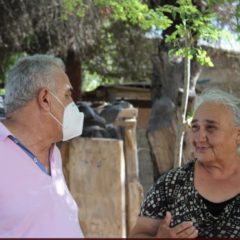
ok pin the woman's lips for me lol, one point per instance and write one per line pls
(202, 148)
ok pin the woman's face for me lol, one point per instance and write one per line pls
(213, 133)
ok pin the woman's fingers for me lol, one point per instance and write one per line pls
(182, 227)
(190, 232)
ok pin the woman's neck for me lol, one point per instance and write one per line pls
(220, 170)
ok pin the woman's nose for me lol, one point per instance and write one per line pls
(201, 135)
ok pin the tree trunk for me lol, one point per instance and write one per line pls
(73, 70)
(167, 85)
(167, 78)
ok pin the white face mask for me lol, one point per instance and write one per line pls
(72, 125)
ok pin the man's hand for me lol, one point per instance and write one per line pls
(182, 230)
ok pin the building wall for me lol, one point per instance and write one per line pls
(225, 74)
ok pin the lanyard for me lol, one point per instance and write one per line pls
(30, 154)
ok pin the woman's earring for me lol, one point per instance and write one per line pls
(238, 150)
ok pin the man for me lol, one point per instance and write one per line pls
(34, 199)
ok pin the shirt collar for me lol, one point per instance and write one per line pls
(4, 132)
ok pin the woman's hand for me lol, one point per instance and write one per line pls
(182, 230)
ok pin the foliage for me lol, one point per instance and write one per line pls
(195, 24)
(198, 21)
(34, 26)
(103, 43)
(119, 56)
(6, 63)
(123, 55)
(237, 16)
(91, 81)
(135, 12)
(72, 6)
(88, 26)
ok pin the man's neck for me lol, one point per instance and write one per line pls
(32, 133)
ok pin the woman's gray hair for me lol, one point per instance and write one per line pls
(220, 96)
(27, 76)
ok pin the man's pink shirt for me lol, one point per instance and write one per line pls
(32, 203)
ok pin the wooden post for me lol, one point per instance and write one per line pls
(127, 119)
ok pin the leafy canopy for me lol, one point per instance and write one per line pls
(196, 22)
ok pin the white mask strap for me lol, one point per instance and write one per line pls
(55, 118)
(57, 98)
(62, 106)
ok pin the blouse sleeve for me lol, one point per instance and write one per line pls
(155, 203)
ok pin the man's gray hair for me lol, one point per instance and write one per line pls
(27, 76)
(220, 96)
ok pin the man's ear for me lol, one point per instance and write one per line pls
(44, 99)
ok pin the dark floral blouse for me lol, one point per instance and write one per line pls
(175, 192)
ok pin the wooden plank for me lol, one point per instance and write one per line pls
(97, 182)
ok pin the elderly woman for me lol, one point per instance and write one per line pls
(201, 198)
